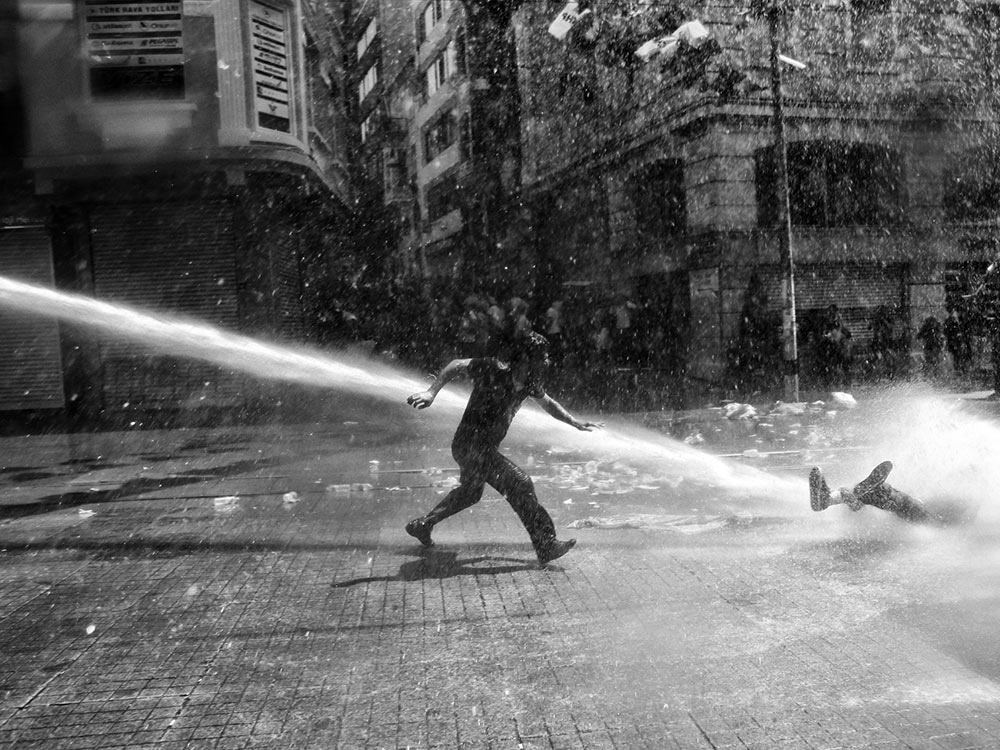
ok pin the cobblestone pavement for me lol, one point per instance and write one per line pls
(166, 595)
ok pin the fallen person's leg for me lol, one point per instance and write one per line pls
(872, 490)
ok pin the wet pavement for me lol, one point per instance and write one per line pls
(252, 587)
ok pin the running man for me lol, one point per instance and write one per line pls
(498, 391)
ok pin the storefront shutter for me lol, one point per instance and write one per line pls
(30, 359)
(177, 259)
(856, 290)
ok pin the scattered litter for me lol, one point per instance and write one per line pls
(85, 513)
(791, 61)
(796, 408)
(342, 489)
(843, 400)
(226, 503)
(568, 502)
(373, 467)
(739, 411)
(683, 524)
(290, 497)
(692, 33)
(568, 17)
(91, 628)
(665, 46)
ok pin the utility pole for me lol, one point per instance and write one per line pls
(789, 336)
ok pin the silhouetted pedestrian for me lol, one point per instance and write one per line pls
(498, 391)
(834, 350)
(931, 336)
(956, 334)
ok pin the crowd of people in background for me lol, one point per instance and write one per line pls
(587, 334)
(597, 341)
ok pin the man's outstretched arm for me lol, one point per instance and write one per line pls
(558, 411)
(449, 372)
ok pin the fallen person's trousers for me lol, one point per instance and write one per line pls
(888, 498)
(486, 465)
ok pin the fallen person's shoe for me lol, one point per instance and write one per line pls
(421, 531)
(819, 491)
(878, 476)
(554, 550)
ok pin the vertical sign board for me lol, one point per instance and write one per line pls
(134, 49)
(269, 52)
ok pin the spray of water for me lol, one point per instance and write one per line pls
(182, 337)
(942, 451)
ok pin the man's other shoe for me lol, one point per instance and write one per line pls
(421, 531)
(554, 550)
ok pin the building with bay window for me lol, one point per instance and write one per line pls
(180, 157)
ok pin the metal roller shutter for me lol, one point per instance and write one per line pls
(855, 289)
(178, 259)
(30, 358)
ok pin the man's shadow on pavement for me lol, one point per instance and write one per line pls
(437, 564)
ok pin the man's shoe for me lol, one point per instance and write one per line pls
(819, 490)
(878, 476)
(421, 531)
(554, 550)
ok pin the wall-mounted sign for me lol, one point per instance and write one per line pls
(134, 49)
(269, 53)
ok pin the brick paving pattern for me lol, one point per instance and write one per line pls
(170, 620)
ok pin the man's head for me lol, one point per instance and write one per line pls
(530, 356)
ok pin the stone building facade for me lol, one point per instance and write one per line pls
(656, 180)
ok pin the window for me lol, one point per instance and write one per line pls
(432, 14)
(442, 197)
(134, 51)
(368, 37)
(441, 134)
(396, 178)
(872, 30)
(833, 184)
(657, 194)
(443, 67)
(972, 188)
(368, 83)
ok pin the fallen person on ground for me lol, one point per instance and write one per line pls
(874, 491)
